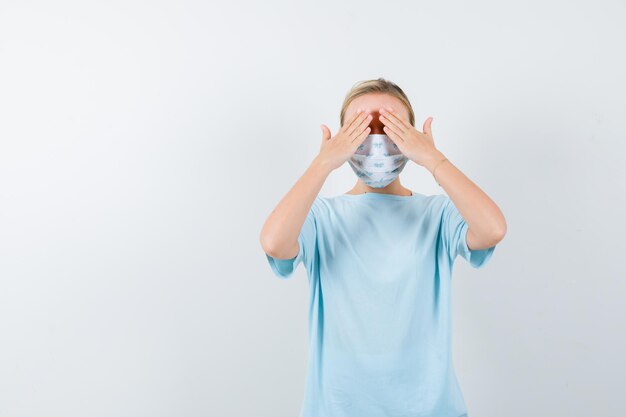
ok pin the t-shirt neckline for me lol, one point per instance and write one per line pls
(380, 196)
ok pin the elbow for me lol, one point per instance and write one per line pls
(278, 251)
(270, 247)
(499, 232)
(487, 239)
(266, 243)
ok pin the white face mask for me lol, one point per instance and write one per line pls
(377, 161)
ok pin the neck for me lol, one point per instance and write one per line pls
(393, 188)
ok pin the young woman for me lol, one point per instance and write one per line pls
(379, 263)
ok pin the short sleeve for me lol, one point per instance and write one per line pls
(283, 268)
(454, 234)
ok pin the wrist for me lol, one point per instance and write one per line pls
(321, 165)
(434, 160)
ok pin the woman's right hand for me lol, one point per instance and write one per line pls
(338, 149)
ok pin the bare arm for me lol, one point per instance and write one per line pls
(486, 223)
(279, 235)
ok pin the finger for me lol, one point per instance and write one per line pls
(356, 123)
(427, 128)
(392, 130)
(364, 123)
(347, 125)
(390, 125)
(393, 118)
(396, 138)
(361, 137)
(402, 120)
(325, 133)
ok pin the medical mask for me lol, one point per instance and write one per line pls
(377, 161)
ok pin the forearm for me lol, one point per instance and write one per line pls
(279, 236)
(484, 218)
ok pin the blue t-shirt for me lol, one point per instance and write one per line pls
(379, 269)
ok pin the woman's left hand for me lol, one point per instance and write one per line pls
(417, 146)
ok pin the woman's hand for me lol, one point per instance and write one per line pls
(417, 146)
(279, 236)
(336, 150)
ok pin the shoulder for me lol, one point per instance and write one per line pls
(440, 201)
(322, 205)
(435, 206)
(434, 202)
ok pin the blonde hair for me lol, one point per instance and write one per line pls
(377, 86)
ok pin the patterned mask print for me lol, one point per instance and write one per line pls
(378, 161)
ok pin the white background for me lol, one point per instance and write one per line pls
(143, 144)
